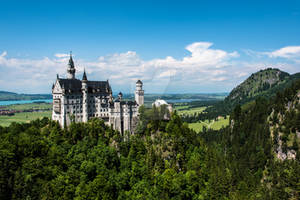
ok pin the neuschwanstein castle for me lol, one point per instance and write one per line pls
(77, 100)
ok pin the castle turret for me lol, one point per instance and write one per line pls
(120, 95)
(71, 68)
(139, 93)
(84, 89)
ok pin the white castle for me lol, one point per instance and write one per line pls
(77, 100)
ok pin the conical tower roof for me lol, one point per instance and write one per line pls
(84, 78)
(71, 62)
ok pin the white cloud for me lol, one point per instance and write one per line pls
(242, 74)
(202, 55)
(204, 69)
(3, 54)
(126, 68)
(286, 52)
(29, 76)
(219, 78)
(61, 55)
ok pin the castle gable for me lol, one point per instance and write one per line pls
(57, 88)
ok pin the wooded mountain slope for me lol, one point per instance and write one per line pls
(264, 83)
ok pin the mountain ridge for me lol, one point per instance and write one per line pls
(264, 83)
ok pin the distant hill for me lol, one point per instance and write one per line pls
(265, 83)
(11, 96)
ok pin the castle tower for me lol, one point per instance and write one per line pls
(120, 95)
(84, 98)
(71, 68)
(139, 93)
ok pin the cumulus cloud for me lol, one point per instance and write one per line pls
(203, 55)
(61, 55)
(161, 73)
(27, 75)
(204, 69)
(286, 52)
(3, 54)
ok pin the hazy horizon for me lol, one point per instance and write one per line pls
(116, 93)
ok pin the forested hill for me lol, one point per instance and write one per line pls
(264, 83)
(11, 96)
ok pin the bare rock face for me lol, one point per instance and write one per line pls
(298, 134)
(281, 156)
(291, 154)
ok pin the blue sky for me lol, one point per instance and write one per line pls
(174, 46)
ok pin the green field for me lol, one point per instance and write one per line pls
(23, 117)
(185, 110)
(27, 106)
(215, 125)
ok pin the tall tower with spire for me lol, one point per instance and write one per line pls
(84, 98)
(139, 93)
(71, 68)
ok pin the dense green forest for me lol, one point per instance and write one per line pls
(163, 160)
